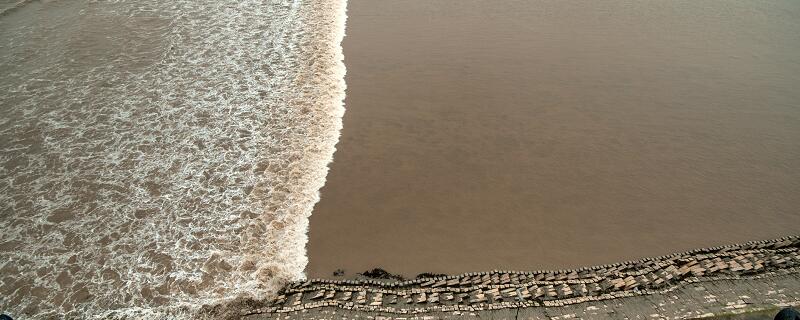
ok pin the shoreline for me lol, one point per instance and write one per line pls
(739, 269)
(685, 302)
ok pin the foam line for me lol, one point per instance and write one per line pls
(13, 7)
(158, 156)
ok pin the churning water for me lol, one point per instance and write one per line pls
(161, 153)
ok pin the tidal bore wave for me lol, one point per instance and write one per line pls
(161, 155)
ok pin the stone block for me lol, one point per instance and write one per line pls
(477, 298)
(361, 297)
(376, 299)
(580, 289)
(296, 299)
(345, 296)
(523, 293)
(494, 294)
(317, 294)
(550, 292)
(563, 291)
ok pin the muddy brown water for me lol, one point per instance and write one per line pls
(158, 156)
(550, 134)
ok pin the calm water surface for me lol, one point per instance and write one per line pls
(523, 135)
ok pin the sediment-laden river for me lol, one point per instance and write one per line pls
(156, 154)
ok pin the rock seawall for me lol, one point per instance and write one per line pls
(500, 289)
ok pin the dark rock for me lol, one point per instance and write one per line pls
(787, 314)
(379, 273)
(430, 275)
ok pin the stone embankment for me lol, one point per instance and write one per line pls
(735, 271)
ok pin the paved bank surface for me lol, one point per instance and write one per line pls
(699, 283)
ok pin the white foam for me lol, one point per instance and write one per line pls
(163, 155)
